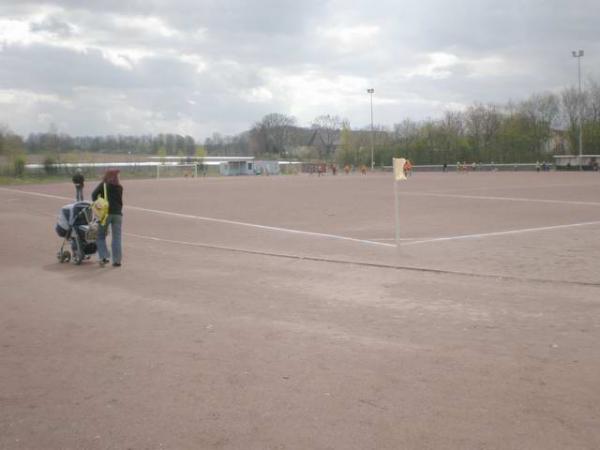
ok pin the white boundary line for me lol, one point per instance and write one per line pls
(509, 199)
(516, 187)
(38, 194)
(393, 239)
(333, 236)
(501, 233)
(261, 227)
(225, 221)
(207, 245)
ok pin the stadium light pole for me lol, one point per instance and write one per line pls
(371, 91)
(579, 55)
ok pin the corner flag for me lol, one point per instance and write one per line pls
(399, 169)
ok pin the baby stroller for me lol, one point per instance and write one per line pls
(78, 228)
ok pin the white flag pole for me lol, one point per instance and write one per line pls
(397, 213)
(398, 168)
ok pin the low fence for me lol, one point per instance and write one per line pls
(517, 167)
(146, 169)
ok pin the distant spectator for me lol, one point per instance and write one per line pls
(78, 180)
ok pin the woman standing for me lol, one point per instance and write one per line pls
(114, 194)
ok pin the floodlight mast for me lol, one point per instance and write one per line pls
(579, 55)
(371, 91)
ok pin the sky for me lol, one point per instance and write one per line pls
(198, 67)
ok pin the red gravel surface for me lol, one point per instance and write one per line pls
(244, 318)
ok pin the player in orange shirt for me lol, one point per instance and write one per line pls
(407, 168)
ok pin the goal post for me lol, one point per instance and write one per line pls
(176, 171)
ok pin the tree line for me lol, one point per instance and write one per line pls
(53, 142)
(526, 131)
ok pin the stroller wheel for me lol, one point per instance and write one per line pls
(78, 258)
(64, 256)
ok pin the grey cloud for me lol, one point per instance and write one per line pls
(53, 26)
(235, 43)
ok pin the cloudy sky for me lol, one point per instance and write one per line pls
(202, 66)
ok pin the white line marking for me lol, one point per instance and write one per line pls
(510, 199)
(516, 187)
(394, 239)
(364, 263)
(37, 194)
(229, 222)
(333, 236)
(201, 244)
(501, 233)
(262, 227)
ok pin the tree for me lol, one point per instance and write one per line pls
(591, 127)
(49, 164)
(10, 143)
(162, 153)
(4, 130)
(481, 130)
(52, 143)
(13, 148)
(189, 145)
(272, 134)
(571, 101)
(452, 137)
(346, 153)
(19, 162)
(539, 112)
(328, 128)
(258, 141)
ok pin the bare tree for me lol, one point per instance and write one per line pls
(328, 128)
(452, 131)
(406, 130)
(541, 112)
(543, 109)
(570, 100)
(481, 126)
(273, 133)
(591, 134)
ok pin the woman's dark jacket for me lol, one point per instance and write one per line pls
(78, 179)
(115, 197)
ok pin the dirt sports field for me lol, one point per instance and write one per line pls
(277, 313)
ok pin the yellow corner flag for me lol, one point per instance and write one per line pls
(399, 174)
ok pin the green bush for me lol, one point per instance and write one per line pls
(19, 165)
